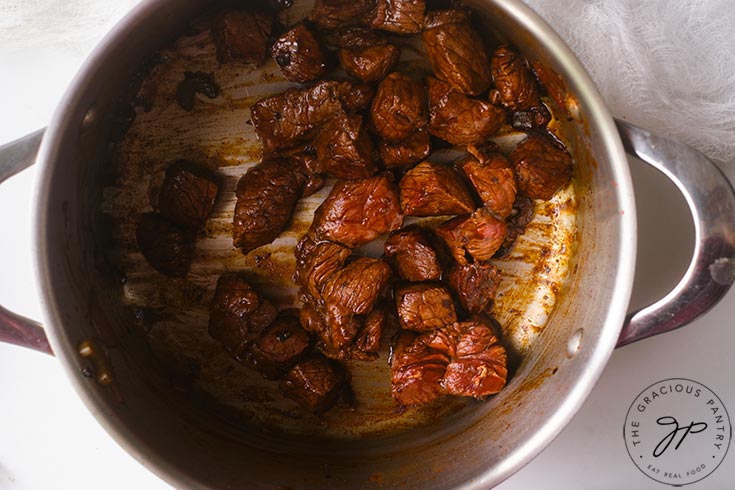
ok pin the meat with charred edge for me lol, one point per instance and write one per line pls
(433, 189)
(516, 88)
(300, 55)
(399, 16)
(328, 14)
(416, 370)
(266, 198)
(344, 149)
(279, 347)
(522, 215)
(366, 55)
(242, 35)
(456, 52)
(315, 383)
(424, 306)
(475, 285)
(541, 167)
(408, 151)
(238, 314)
(493, 178)
(167, 248)
(187, 195)
(412, 256)
(315, 264)
(399, 107)
(475, 237)
(306, 162)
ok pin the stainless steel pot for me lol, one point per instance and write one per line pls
(479, 449)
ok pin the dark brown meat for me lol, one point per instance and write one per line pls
(307, 163)
(541, 167)
(328, 14)
(266, 198)
(354, 289)
(367, 342)
(433, 189)
(196, 82)
(473, 238)
(523, 212)
(344, 149)
(242, 35)
(316, 263)
(358, 211)
(425, 306)
(238, 314)
(356, 97)
(536, 117)
(459, 119)
(399, 107)
(475, 285)
(167, 248)
(399, 16)
(187, 195)
(493, 178)
(456, 52)
(279, 347)
(408, 151)
(300, 55)
(410, 253)
(315, 383)
(416, 370)
(365, 54)
(516, 88)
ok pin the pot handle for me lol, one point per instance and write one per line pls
(15, 329)
(711, 201)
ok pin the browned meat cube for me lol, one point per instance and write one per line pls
(456, 52)
(493, 178)
(344, 149)
(473, 238)
(305, 160)
(300, 55)
(365, 54)
(424, 306)
(356, 97)
(354, 289)
(316, 263)
(367, 342)
(410, 253)
(408, 151)
(459, 119)
(399, 107)
(433, 189)
(358, 211)
(242, 35)
(399, 16)
(238, 314)
(279, 347)
(416, 370)
(328, 14)
(266, 198)
(475, 285)
(315, 383)
(167, 248)
(541, 167)
(516, 88)
(187, 195)
(523, 212)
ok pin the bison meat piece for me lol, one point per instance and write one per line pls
(266, 198)
(408, 151)
(416, 370)
(370, 63)
(328, 14)
(167, 248)
(300, 55)
(399, 16)
(367, 342)
(475, 285)
(516, 88)
(399, 107)
(238, 314)
(356, 97)
(410, 253)
(315, 383)
(308, 165)
(279, 347)
(456, 52)
(522, 215)
(187, 195)
(344, 149)
(424, 306)
(458, 119)
(358, 211)
(354, 289)
(316, 263)
(493, 178)
(473, 238)
(242, 35)
(541, 167)
(433, 189)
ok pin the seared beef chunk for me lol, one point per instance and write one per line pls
(328, 14)
(307, 163)
(399, 107)
(459, 119)
(416, 369)
(354, 289)
(365, 54)
(367, 342)
(167, 248)
(192, 84)
(473, 238)
(535, 117)
(315, 383)
(187, 195)
(424, 306)
(516, 88)
(523, 211)
(358, 211)
(238, 314)
(541, 167)
(344, 149)
(410, 253)
(399, 16)
(433, 189)
(475, 285)
(300, 55)
(356, 97)
(456, 52)
(242, 35)
(266, 198)
(316, 263)
(408, 151)
(279, 347)
(493, 178)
